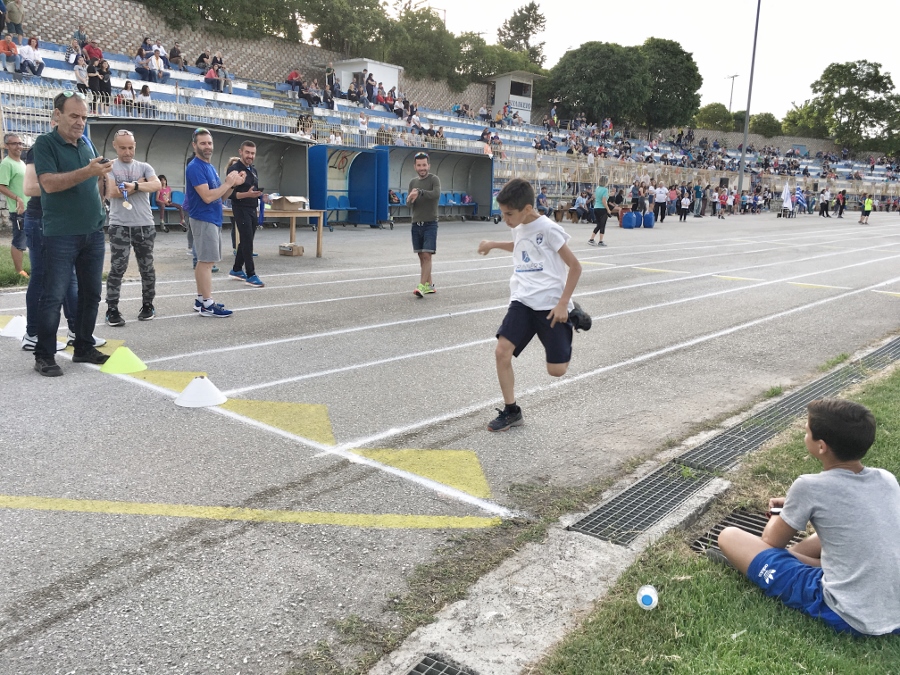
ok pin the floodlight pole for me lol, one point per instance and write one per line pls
(731, 96)
(747, 112)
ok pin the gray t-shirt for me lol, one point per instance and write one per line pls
(140, 214)
(425, 208)
(857, 518)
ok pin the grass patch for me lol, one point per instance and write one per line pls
(8, 276)
(772, 392)
(712, 620)
(831, 363)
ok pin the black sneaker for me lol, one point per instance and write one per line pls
(147, 312)
(506, 420)
(94, 356)
(580, 319)
(46, 366)
(113, 318)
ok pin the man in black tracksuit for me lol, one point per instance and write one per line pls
(245, 205)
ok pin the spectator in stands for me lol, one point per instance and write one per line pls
(363, 129)
(10, 53)
(158, 67)
(329, 76)
(401, 139)
(73, 51)
(176, 58)
(295, 79)
(204, 60)
(146, 45)
(223, 72)
(80, 36)
(142, 66)
(127, 97)
(212, 78)
(543, 206)
(92, 51)
(352, 94)
(93, 76)
(485, 136)
(159, 47)
(15, 18)
(143, 102)
(328, 98)
(104, 77)
(483, 114)
(370, 85)
(31, 59)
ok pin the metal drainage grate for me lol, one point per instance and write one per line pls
(725, 450)
(644, 504)
(432, 664)
(753, 522)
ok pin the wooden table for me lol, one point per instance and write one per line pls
(292, 216)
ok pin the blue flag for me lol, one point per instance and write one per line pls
(801, 201)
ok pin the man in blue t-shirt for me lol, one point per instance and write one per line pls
(204, 192)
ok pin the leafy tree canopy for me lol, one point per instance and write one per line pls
(738, 118)
(518, 31)
(765, 124)
(675, 83)
(805, 120)
(714, 116)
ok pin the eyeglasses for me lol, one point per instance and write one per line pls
(71, 93)
(421, 155)
(199, 131)
(15, 143)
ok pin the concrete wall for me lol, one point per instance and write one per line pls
(121, 25)
(436, 93)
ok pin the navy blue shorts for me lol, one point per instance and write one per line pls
(424, 237)
(798, 585)
(522, 323)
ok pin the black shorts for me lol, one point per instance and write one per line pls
(522, 323)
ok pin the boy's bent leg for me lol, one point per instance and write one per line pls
(503, 354)
(557, 369)
(740, 547)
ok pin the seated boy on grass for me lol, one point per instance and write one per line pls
(540, 294)
(848, 573)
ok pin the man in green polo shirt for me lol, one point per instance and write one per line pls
(12, 186)
(67, 169)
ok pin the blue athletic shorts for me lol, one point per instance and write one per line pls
(424, 237)
(522, 323)
(798, 585)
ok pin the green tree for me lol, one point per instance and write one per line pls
(675, 82)
(737, 120)
(236, 17)
(519, 30)
(806, 120)
(603, 80)
(715, 117)
(419, 41)
(479, 60)
(857, 100)
(765, 124)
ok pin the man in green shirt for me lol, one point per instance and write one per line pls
(67, 169)
(12, 186)
(423, 196)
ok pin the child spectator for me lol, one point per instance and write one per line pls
(685, 207)
(541, 292)
(848, 573)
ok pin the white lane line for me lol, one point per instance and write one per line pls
(602, 317)
(433, 317)
(342, 452)
(477, 407)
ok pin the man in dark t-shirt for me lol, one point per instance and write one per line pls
(244, 205)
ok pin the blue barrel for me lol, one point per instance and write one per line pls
(628, 220)
(648, 219)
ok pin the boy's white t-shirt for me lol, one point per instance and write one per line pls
(539, 273)
(685, 202)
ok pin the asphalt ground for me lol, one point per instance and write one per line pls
(137, 536)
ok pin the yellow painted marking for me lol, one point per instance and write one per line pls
(380, 520)
(721, 276)
(303, 419)
(896, 295)
(591, 262)
(108, 348)
(797, 283)
(176, 380)
(4, 320)
(651, 269)
(457, 468)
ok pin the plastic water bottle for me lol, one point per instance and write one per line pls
(647, 597)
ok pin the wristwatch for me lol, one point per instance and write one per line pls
(137, 186)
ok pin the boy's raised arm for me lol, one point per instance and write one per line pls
(486, 246)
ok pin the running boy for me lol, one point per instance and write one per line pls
(848, 573)
(539, 284)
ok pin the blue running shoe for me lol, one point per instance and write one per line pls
(215, 310)
(198, 305)
(240, 274)
(255, 281)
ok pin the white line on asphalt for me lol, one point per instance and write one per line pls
(433, 317)
(602, 317)
(468, 410)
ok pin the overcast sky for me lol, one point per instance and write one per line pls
(797, 39)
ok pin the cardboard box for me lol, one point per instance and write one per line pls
(290, 249)
(290, 204)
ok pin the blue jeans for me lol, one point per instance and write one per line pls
(34, 237)
(85, 252)
(17, 60)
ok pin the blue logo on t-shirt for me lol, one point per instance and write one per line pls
(525, 257)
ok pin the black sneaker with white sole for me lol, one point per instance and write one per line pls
(113, 318)
(147, 312)
(580, 319)
(506, 420)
